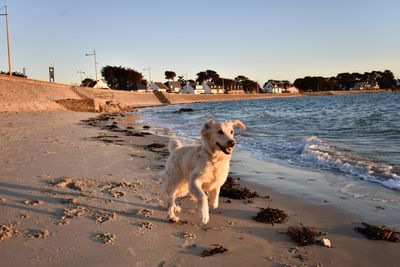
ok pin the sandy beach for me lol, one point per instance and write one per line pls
(87, 193)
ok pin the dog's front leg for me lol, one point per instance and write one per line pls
(195, 188)
(213, 197)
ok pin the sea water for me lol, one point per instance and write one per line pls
(355, 136)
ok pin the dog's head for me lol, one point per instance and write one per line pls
(218, 136)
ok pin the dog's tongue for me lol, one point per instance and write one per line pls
(226, 151)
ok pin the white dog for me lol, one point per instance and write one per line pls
(200, 170)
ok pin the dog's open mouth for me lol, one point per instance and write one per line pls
(226, 150)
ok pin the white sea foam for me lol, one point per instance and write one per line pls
(326, 156)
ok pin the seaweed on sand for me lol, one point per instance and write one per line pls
(212, 251)
(232, 189)
(155, 145)
(270, 215)
(303, 235)
(378, 232)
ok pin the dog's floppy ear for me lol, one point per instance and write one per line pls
(238, 123)
(206, 127)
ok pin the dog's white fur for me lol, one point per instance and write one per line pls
(200, 170)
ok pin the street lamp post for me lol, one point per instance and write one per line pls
(95, 62)
(8, 41)
(149, 76)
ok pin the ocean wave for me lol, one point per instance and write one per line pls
(327, 156)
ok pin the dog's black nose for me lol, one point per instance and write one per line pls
(231, 143)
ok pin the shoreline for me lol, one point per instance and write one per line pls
(41, 147)
(314, 187)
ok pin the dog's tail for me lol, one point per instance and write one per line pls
(173, 145)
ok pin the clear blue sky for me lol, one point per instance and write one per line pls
(263, 40)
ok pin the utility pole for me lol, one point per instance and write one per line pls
(149, 82)
(95, 62)
(8, 41)
(149, 73)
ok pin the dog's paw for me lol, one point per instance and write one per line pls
(177, 209)
(214, 205)
(173, 219)
(204, 218)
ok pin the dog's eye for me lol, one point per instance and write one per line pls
(231, 131)
(220, 132)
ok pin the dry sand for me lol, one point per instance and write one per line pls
(93, 198)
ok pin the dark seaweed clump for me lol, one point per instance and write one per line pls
(184, 110)
(155, 145)
(232, 189)
(378, 232)
(303, 235)
(270, 215)
(212, 251)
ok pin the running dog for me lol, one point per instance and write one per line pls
(200, 170)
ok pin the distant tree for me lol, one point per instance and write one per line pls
(170, 75)
(201, 77)
(248, 85)
(315, 84)
(88, 82)
(226, 83)
(387, 80)
(181, 80)
(121, 78)
(209, 76)
(213, 76)
(239, 80)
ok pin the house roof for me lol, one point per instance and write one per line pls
(174, 84)
(161, 85)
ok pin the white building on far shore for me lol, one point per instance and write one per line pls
(279, 87)
(212, 89)
(194, 90)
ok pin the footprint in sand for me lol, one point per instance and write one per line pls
(34, 202)
(106, 238)
(8, 231)
(43, 233)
